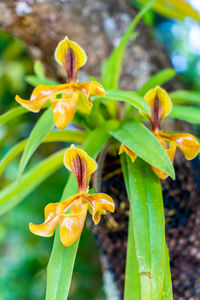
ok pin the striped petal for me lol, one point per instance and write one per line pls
(71, 56)
(71, 226)
(160, 105)
(81, 165)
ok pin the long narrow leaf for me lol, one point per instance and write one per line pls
(157, 79)
(17, 191)
(53, 136)
(132, 278)
(12, 113)
(185, 97)
(167, 291)
(140, 140)
(61, 263)
(112, 67)
(129, 97)
(148, 213)
(40, 130)
(156, 229)
(139, 211)
(189, 114)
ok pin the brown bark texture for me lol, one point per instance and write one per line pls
(97, 26)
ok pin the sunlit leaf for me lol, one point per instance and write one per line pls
(158, 79)
(141, 141)
(175, 9)
(40, 130)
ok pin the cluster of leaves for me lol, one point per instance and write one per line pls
(147, 268)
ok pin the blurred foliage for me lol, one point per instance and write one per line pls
(175, 9)
(23, 256)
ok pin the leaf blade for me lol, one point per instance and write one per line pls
(40, 130)
(157, 79)
(140, 140)
(17, 191)
(189, 114)
(130, 97)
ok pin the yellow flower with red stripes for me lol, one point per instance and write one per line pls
(69, 97)
(160, 106)
(71, 224)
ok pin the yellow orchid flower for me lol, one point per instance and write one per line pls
(65, 98)
(71, 225)
(160, 106)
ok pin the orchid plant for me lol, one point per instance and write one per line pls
(146, 157)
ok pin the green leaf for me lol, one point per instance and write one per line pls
(189, 114)
(146, 207)
(53, 136)
(139, 211)
(157, 79)
(129, 97)
(141, 141)
(39, 69)
(40, 130)
(12, 113)
(132, 287)
(167, 290)
(17, 191)
(185, 97)
(61, 263)
(35, 81)
(156, 229)
(175, 9)
(112, 67)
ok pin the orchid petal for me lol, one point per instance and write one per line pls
(159, 103)
(123, 148)
(51, 221)
(64, 108)
(86, 90)
(40, 96)
(99, 204)
(71, 56)
(186, 142)
(171, 152)
(81, 165)
(71, 226)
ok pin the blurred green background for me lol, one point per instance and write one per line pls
(23, 256)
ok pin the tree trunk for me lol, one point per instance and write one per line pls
(97, 26)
